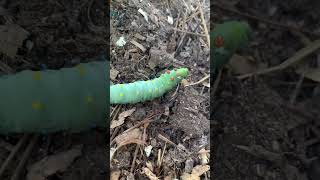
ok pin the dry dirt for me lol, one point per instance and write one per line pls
(181, 115)
(264, 127)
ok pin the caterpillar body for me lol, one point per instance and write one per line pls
(226, 39)
(73, 99)
(141, 91)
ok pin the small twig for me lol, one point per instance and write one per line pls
(204, 24)
(25, 157)
(134, 158)
(166, 140)
(200, 81)
(297, 89)
(299, 55)
(216, 84)
(21, 142)
(188, 32)
(5, 68)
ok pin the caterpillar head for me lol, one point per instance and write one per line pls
(182, 72)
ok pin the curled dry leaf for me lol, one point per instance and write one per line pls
(150, 174)
(113, 74)
(203, 155)
(126, 136)
(186, 176)
(242, 65)
(200, 169)
(149, 165)
(122, 117)
(196, 172)
(53, 164)
(115, 175)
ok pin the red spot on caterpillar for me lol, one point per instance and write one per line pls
(171, 78)
(219, 41)
(168, 71)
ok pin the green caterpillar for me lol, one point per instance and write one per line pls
(226, 39)
(73, 99)
(146, 90)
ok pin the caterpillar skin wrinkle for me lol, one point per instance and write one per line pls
(141, 91)
(73, 99)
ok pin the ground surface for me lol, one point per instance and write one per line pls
(267, 127)
(59, 34)
(180, 126)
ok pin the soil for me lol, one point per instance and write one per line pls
(60, 34)
(267, 126)
(181, 116)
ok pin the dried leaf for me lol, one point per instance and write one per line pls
(150, 174)
(200, 169)
(203, 155)
(149, 165)
(186, 176)
(11, 38)
(53, 164)
(113, 74)
(310, 73)
(115, 175)
(133, 134)
(140, 46)
(242, 65)
(122, 117)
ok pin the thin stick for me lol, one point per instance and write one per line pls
(188, 32)
(200, 81)
(134, 158)
(206, 32)
(297, 89)
(13, 153)
(299, 55)
(25, 157)
(216, 84)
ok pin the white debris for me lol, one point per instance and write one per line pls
(145, 15)
(121, 42)
(170, 20)
(148, 150)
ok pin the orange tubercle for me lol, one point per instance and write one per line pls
(171, 78)
(168, 71)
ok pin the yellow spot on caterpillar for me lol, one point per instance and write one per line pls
(156, 89)
(121, 94)
(147, 82)
(37, 105)
(150, 90)
(81, 70)
(121, 85)
(89, 99)
(37, 75)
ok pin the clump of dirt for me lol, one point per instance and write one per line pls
(173, 128)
